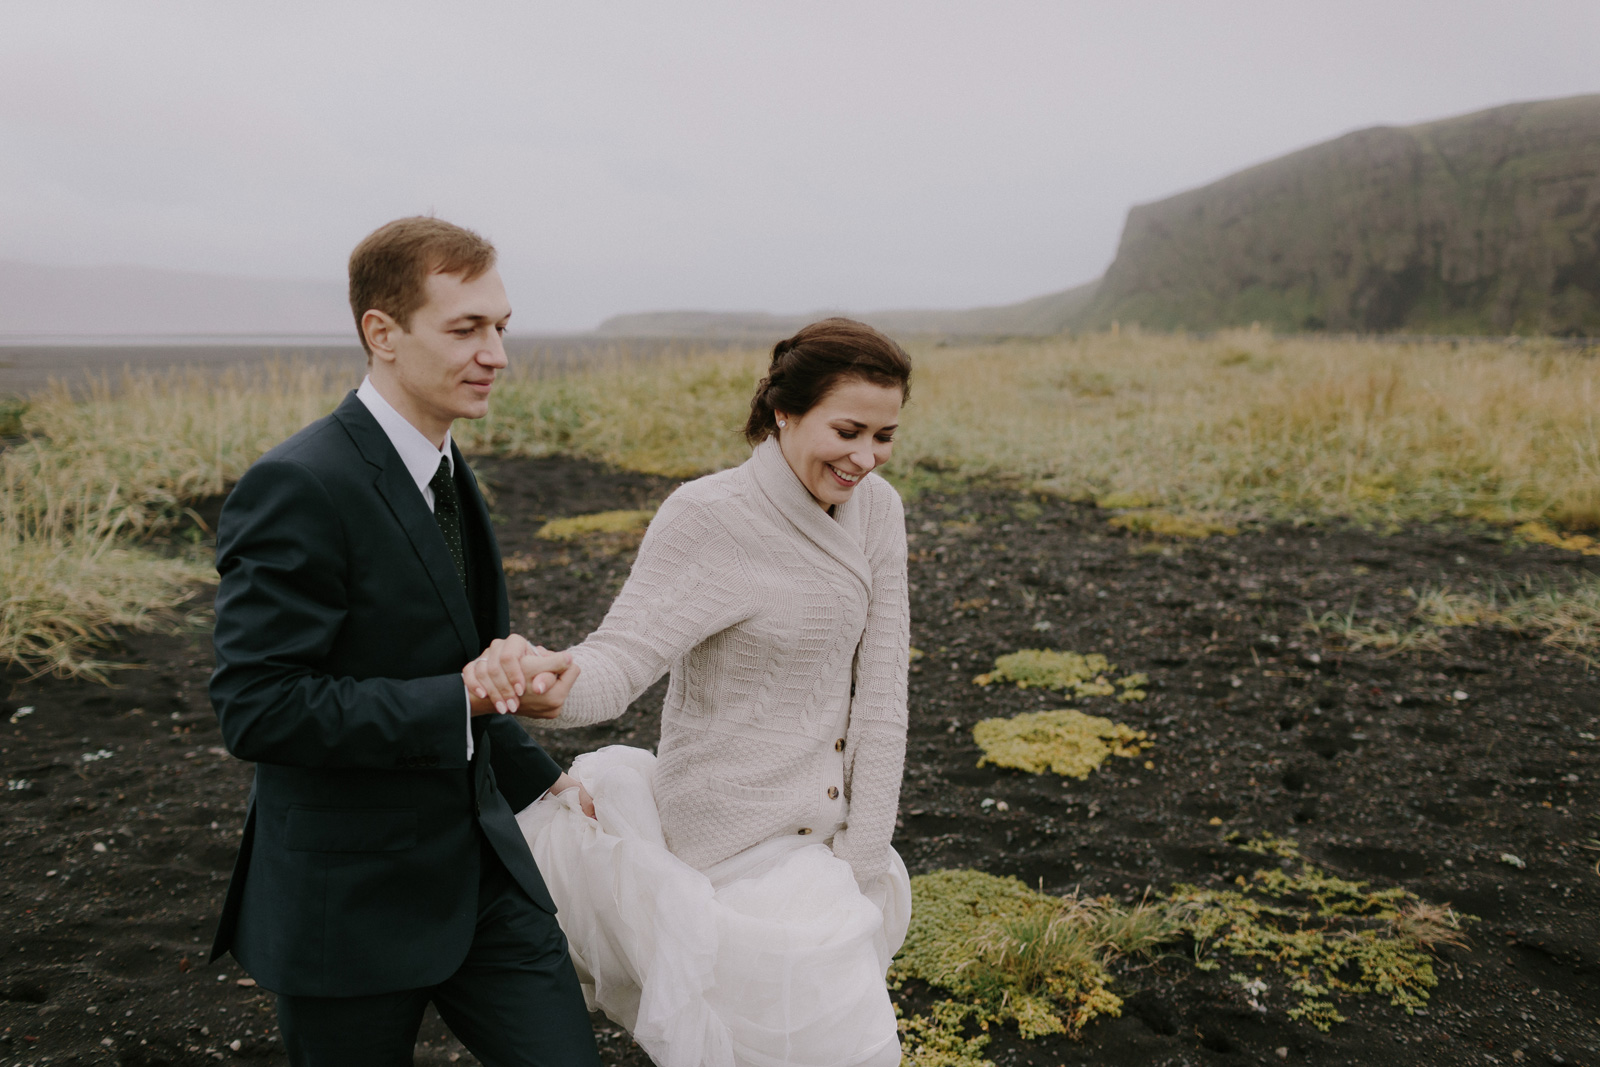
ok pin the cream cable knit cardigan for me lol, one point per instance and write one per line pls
(786, 632)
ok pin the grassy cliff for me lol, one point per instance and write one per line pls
(1485, 223)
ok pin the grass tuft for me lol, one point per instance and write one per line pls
(1380, 634)
(1067, 742)
(65, 590)
(12, 408)
(1010, 954)
(1561, 616)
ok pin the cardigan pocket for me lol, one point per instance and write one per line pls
(756, 794)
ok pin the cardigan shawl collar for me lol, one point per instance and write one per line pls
(839, 535)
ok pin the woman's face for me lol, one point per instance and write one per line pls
(845, 437)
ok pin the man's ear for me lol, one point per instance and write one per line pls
(379, 328)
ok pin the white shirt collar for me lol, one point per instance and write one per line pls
(416, 451)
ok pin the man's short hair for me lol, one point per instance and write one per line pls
(389, 269)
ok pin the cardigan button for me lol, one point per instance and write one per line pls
(833, 792)
(838, 746)
(804, 830)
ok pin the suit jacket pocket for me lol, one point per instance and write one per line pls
(350, 830)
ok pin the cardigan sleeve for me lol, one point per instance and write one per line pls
(875, 743)
(688, 582)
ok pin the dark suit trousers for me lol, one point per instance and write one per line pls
(514, 1002)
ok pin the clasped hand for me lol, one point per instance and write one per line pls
(513, 677)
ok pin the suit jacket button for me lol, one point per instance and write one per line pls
(804, 830)
(433, 761)
(838, 746)
(833, 792)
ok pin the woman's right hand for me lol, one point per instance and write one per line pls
(514, 677)
(566, 782)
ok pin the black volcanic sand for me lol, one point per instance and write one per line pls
(121, 812)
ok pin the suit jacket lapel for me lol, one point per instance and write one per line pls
(393, 483)
(486, 551)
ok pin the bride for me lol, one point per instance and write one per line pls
(735, 899)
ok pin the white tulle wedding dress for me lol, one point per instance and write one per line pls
(774, 957)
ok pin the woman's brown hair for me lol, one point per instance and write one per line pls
(807, 366)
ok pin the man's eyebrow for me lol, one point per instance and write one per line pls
(473, 316)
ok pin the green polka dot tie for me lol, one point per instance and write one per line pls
(447, 513)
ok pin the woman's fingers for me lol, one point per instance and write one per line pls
(545, 669)
(510, 661)
(477, 685)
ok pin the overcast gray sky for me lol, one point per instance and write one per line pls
(631, 156)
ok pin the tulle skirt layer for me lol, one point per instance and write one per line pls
(773, 958)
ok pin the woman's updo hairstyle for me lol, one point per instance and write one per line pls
(807, 366)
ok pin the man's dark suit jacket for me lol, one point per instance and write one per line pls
(342, 627)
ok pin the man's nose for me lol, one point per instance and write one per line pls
(493, 354)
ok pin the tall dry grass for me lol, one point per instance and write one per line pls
(99, 475)
(1242, 424)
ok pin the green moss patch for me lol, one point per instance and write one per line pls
(1322, 935)
(1540, 534)
(1154, 522)
(601, 522)
(1008, 954)
(1082, 675)
(1066, 742)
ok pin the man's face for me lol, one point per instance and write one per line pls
(444, 366)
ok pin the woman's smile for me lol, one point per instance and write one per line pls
(846, 480)
(845, 437)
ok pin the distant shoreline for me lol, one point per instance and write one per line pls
(29, 364)
(224, 340)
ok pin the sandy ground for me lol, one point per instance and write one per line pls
(121, 812)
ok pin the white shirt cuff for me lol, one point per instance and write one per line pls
(468, 693)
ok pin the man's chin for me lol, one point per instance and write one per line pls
(473, 409)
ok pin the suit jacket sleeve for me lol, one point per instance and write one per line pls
(282, 598)
(522, 770)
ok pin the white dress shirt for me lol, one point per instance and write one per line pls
(422, 463)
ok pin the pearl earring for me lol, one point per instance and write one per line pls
(781, 424)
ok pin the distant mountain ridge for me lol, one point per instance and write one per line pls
(1487, 223)
(1483, 223)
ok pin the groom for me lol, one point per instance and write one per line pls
(382, 867)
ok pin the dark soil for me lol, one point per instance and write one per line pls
(122, 812)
